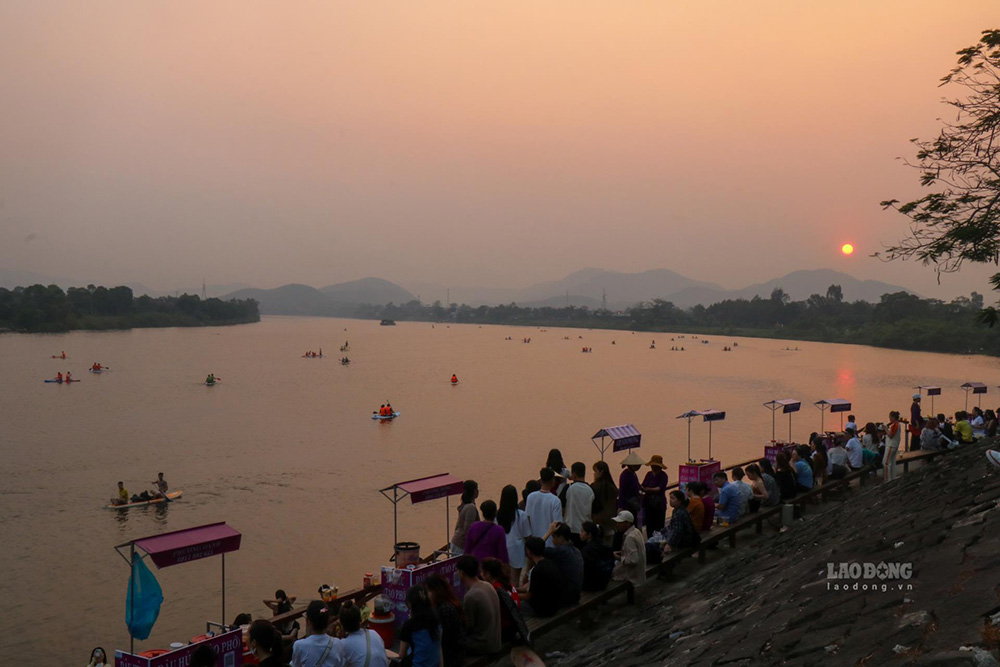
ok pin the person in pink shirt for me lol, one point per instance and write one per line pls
(486, 538)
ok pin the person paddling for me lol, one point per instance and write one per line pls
(59, 376)
(454, 379)
(161, 486)
(69, 376)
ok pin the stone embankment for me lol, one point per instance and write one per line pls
(773, 602)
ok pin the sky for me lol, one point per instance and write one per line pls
(467, 143)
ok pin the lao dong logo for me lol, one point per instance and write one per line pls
(855, 576)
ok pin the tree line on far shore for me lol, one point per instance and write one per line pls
(49, 309)
(899, 320)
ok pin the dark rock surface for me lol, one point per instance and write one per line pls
(772, 603)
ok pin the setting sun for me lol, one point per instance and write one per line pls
(847, 249)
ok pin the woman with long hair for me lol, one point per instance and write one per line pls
(497, 574)
(514, 522)
(467, 515)
(605, 500)
(820, 463)
(449, 613)
(282, 604)
(555, 463)
(420, 636)
(98, 658)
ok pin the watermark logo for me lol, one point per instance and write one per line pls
(864, 576)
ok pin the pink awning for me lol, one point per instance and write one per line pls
(429, 488)
(182, 546)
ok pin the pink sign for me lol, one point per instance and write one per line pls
(182, 546)
(771, 452)
(698, 472)
(229, 647)
(396, 582)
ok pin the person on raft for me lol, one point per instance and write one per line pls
(122, 498)
(96, 366)
(59, 377)
(69, 376)
(161, 486)
(454, 379)
(210, 379)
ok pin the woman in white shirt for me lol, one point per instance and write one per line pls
(515, 523)
(978, 423)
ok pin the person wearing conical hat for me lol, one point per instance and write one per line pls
(628, 484)
(654, 495)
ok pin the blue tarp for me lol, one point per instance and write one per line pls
(145, 592)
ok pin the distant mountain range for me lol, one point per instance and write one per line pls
(333, 300)
(587, 287)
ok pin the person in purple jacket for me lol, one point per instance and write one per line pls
(628, 484)
(486, 538)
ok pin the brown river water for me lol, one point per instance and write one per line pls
(285, 451)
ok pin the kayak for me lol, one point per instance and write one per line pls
(172, 495)
(96, 370)
(211, 384)
(313, 356)
(62, 381)
(385, 417)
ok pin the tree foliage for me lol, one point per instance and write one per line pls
(40, 308)
(958, 221)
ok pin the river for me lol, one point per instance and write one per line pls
(283, 449)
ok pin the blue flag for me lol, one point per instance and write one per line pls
(142, 600)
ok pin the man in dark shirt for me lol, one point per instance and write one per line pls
(568, 559)
(544, 593)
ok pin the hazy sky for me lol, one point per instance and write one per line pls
(464, 142)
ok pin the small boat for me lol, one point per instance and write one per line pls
(313, 356)
(96, 370)
(172, 495)
(383, 418)
(388, 323)
(211, 384)
(62, 381)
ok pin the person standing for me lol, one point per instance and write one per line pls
(579, 501)
(605, 500)
(485, 539)
(543, 506)
(892, 437)
(514, 522)
(628, 484)
(916, 423)
(467, 515)
(654, 495)
(482, 608)
(631, 565)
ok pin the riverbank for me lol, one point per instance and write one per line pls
(774, 600)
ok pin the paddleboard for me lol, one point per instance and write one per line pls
(522, 656)
(386, 417)
(211, 384)
(62, 381)
(172, 495)
(96, 371)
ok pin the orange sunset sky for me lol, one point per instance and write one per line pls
(467, 143)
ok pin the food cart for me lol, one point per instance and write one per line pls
(702, 470)
(930, 390)
(409, 569)
(974, 388)
(840, 405)
(175, 548)
(622, 437)
(787, 406)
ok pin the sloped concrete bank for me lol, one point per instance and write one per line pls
(890, 574)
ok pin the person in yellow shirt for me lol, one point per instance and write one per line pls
(122, 498)
(962, 428)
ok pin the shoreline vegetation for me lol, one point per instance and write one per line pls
(900, 320)
(48, 309)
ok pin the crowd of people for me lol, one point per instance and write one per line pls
(535, 552)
